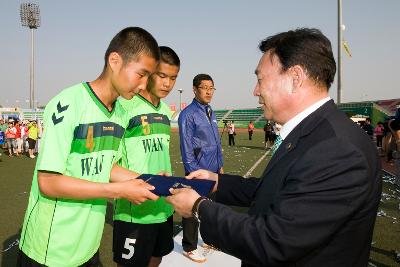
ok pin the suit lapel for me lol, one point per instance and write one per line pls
(287, 145)
(291, 141)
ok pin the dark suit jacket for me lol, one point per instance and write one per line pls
(315, 204)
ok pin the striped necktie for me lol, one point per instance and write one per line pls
(208, 110)
(277, 143)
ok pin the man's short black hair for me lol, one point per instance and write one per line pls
(132, 42)
(169, 56)
(308, 48)
(201, 77)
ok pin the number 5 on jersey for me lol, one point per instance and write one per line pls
(145, 125)
(129, 245)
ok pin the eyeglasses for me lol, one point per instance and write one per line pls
(206, 89)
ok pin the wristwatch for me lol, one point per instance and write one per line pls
(195, 208)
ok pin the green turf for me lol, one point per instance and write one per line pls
(16, 177)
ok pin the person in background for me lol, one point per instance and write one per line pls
(11, 133)
(18, 137)
(3, 125)
(33, 134)
(268, 135)
(250, 129)
(201, 148)
(25, 139)
(379, 134)
(387, 144)
(3, 128)
(231, 133)
(276, 132)
(24, 136)
(394, 126)
(367, 127)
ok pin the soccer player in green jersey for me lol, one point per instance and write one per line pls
(84, 125)
(143, 233)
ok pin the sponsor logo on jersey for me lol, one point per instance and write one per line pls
(158, 118)
(60, 109)
(108, 128)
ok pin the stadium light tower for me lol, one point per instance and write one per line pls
(340, 29)
(30, 17)
(180, 99)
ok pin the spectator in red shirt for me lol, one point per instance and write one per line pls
(18, 138)
(250, 129)
(10, 136)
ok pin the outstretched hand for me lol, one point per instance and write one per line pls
(183, 200)
(202, 174)
(137, 191)
(205, 175)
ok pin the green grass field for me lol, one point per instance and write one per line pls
(16, 178)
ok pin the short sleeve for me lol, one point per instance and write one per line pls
(120, 157)
(59, 125)
(121, 104)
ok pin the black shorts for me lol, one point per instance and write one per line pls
(269, 137)
(24, 261)
(134, 244)
(31, 143)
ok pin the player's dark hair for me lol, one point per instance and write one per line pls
(201, 77)
(132, 42)
(169, 56)
(308, 48)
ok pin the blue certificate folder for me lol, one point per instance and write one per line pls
(162, 184)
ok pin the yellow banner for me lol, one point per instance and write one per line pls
(346, 48)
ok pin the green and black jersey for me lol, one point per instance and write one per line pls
(81, 139)
(145, 149)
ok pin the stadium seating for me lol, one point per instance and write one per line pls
(241, 117)
(220, 113)
(28, 114)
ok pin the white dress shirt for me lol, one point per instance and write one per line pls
(293, 122)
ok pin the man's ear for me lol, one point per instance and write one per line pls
(298, 76)
(115, 61)
(194, 90)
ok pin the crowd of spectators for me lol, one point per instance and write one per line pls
(19, 137)
(391, 143)
(387, 137)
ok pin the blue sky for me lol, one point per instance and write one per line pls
(215, 37)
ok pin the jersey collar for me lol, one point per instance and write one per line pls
(156, 108)
(98, 102)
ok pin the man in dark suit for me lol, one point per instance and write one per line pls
(316, 202)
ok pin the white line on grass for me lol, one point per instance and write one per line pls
(256, 164)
